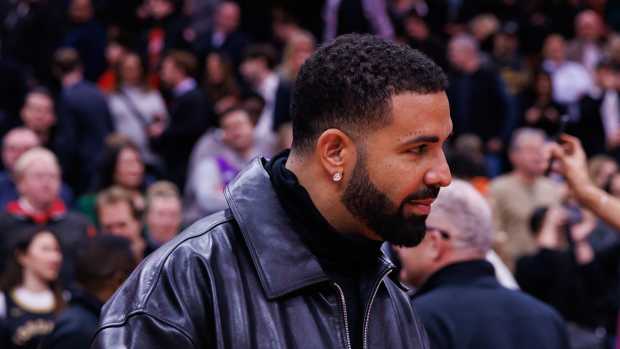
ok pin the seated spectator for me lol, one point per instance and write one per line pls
(458, 298)
(83, 122)
(538, 108)
(587, 46)
(38, 114)
(30, 294)
(164, 212)
(114, 52)
(566, 273)
(299, 47)
(220, 82)
(258, 70)
(121, 165)
(205, 194)
(102, 264)
(600, 168)
(190, 116)
(118, 215)
(515, 195)
(16, 142)
(37, 175)
(135, 106)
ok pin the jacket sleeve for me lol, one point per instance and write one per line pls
(142, 330)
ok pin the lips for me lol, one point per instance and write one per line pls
(421, 207)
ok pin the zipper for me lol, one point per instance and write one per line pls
(346, 320)
(369, 307)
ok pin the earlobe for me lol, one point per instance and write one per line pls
(333, 147)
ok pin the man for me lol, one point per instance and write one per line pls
(37, 175)
(295, 262)
(83, 124)
(118, 215)
(16, 142)
(189, 116)
(38, 114)
(514, 196)
(163, 212)
(587, 47)
(258, 70)
(102, 264)
(459, 299)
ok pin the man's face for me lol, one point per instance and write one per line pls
(529, 156)
(238, 130)
(227, 17)
(555, 48)
(117, 219)
(15, 144)
(164, 218)
(169, 73)
(38, 112)
(400, 169)
(40, 183)
(252, 69)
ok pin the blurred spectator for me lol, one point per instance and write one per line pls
(598, 126)
(224, 36)
(419, 36)
(236, 146)
(190, 116)
(299, 47)
(587, 47)
(458, 297)
(114, 52)
(83, 123)
(135, 106)
(538, 107)
(88, 37)
(17, 142)
(202, 13)
(30, 294)
(37, 176)
(118, 215)
(258, 71)
(102, 264)
(565, 272)
(483, 28)
(163, 214)
(601, 168)
(514, 196)
(466, 161)
(479, 100)
(356, 16)
(38, 114)
(220, 83)
(121, 165)
(508, 60)
(570, 80)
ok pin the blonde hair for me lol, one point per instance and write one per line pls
(33, 155)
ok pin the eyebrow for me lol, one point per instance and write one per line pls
(422, 139)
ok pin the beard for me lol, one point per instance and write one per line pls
(373, 207)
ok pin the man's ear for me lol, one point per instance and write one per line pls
(436, 245)
(337, 153)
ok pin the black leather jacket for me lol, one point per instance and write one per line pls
(243, 279)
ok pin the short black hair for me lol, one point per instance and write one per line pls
(265, 52)
(348, 84)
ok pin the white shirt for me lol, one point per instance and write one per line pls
(570, 81)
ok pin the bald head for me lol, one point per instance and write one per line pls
(588, 25)
(15, 143)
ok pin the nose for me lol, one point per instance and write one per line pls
(439, 174)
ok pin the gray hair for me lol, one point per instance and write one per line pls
(524, 133)
(466, 210)
(465, 41)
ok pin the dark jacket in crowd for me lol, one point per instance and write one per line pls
(84, 122)
(242, 278)
(70, 228)
(190, 115)
(76, 324)
(233, 46)
(589, 128)
(464, 306)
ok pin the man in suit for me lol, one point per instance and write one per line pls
(189, 116)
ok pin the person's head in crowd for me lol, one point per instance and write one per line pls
(613, 184)
(38, 179)
(254, 105)
(38, 114)
(464, 53)
(163, 211)
(258, 63)
(607, 75)
(613, 48)
(102, 264)
(35, 261)
(15, 143)
(227, 17)
(161, 9)
(298, 48)
(220, 81)
(600, 168)
(370, 118)
(526, 153)
(506, 41)
(237, 130)
(541, 85)
(284, 25)
(67, 66)
(554, 48)
(131, 71)
(176, 67)
(118, 215)
(547, 225)
(589, 26)
(483, 27)
(459, 228)
(121, 164)
(81, 11)
(416, 27)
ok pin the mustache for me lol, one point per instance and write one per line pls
(424, 193)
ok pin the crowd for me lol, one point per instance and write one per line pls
(123, 121)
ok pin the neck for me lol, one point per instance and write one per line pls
(33, 283)
(31, 207)
(72, 78)
(525, 177)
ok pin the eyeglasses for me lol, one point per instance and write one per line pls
(444, 234)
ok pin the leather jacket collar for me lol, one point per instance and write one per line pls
(284, 264)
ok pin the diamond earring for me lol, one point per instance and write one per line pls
(337, 177)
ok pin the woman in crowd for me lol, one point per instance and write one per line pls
(539, 110)
(220, 84)
(30, 295)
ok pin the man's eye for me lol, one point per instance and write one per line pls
(419, 150)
